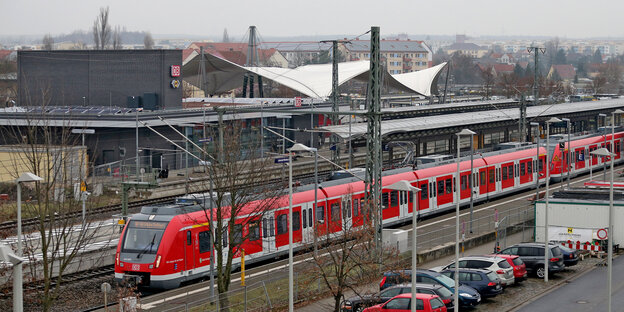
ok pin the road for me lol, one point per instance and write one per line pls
(586, 293)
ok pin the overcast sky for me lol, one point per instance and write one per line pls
(571, 18)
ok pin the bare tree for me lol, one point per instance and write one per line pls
(226, 37)
(237, 223)
(101, 30)
(148, 41)
(48, 42)
(351, 259)
(487, 76)
(117, 38)
(508, 83)
(60, 235)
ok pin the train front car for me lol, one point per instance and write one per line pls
(146, 254)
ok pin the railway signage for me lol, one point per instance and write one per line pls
(175, 70)
(204, 140)
(563, 234)
(298, 101)
(602, 234)
(281, 160)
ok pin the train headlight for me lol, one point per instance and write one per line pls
(157, 261)
(117, 258)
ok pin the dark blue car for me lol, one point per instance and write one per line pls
(485, 282)
(468, 296)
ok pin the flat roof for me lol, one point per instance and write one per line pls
(472, 118)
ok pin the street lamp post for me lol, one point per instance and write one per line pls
(537, 163)
(471, 178)
(405, 186)
(17, 282)
(546, 253)
(605, 153)
(83, 193)
(464, 132)
(567, 161)
(297, 147)
(604, 135)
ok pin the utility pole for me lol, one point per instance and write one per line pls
(373, 141)
(535, 51)
(335, 107)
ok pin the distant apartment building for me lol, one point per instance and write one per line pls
(399, 56)
(236, 53)
(298, 53)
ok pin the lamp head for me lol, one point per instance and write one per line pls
(553, 119)
(602, 152)
(465, 132)
(403, 186)
(28, 177)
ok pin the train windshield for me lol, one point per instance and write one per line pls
(143, 237)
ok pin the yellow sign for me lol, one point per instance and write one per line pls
(83, 186)
(570, 230)
(242, 267)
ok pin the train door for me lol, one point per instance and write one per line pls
(321, 223)
(444, 190)
(579, 158)
(507, 175)
(189, 252)
(268, 232)
(334, 217)
(347, 212)
(464, 185)
(357, 218)
(404, 206)
(423, 202)
(483, 181)
(525, 171)
(282, 224)
(307, 220)
(594, 159)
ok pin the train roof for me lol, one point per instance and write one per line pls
(505, 157)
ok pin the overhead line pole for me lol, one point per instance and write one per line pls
(373, 142)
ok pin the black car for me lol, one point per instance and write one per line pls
(570, 256)
(532, 254)
(485, 282)
(359, 303)
(468, 296)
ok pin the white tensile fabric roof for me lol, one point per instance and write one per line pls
(312, 80)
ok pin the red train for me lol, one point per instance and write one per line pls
(165, 245)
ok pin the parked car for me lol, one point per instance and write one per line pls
(493, 263)
(485, 282)
(570, 256)
(519, 268)
(359, 303)
(402, 303)
(532, 254)
(468, 296)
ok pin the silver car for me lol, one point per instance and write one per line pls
(495, 264)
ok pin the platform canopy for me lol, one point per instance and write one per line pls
(312, 80)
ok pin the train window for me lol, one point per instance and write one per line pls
(394, 198)
(464, 182)
(265, 227)
(356, 207)
(310, 219)
(491, 176)
(504, 173)
(384, 200)
(529, 167)
(320, 213)
(541, 164)
(482, 178)
(449, 186)
(189, 238)
(349, 208)
(254, 231)
(432, 192)
(224, 237)
(517, 170)
(237, 234)
(510, 172)
(296, 220)
(335, 211)
(423, 191)
(441, 187)
(204, 241)
(282, 224)
(305, 219)
(522, 169)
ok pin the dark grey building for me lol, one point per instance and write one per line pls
(99, 77)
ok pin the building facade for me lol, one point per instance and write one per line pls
(99, 77)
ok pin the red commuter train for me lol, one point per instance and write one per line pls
(163, 246)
